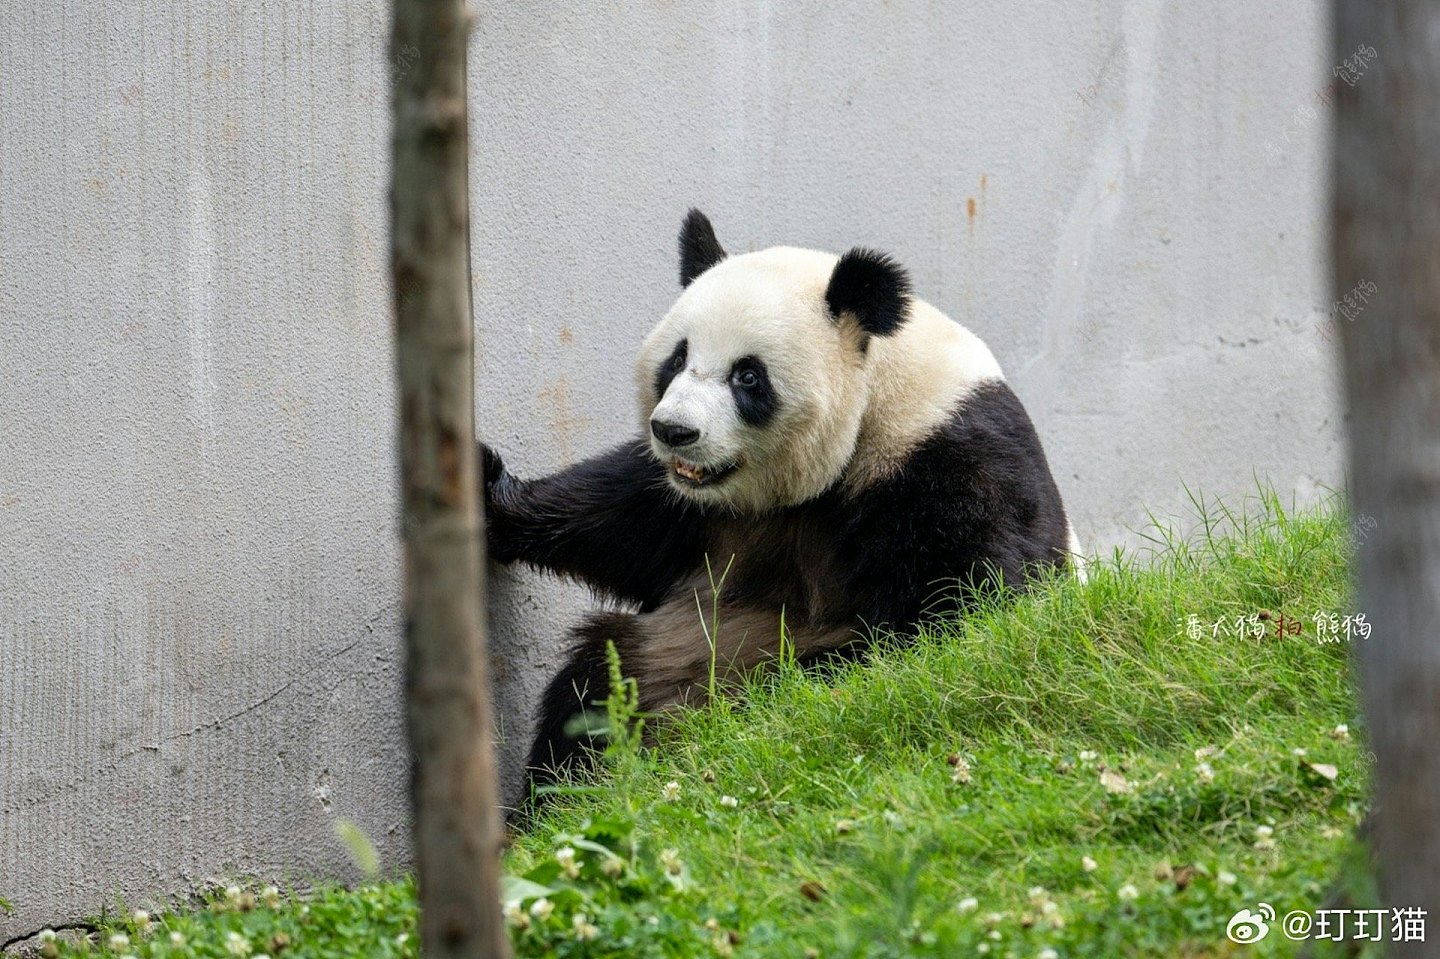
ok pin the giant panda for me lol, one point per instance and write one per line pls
(816, 444)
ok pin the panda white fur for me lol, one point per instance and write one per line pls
(851, 455)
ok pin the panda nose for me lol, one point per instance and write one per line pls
(673, 434)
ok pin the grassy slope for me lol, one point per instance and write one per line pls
(1078, 711)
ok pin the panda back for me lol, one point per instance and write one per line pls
(919, 377)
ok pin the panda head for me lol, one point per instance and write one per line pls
(753, 387)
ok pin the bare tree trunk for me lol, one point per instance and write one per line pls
(457, 828)
(1387, 247)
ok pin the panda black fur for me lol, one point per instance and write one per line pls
(847, 451)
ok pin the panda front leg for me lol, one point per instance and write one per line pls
(610, 521)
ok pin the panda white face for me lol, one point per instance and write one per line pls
(754, 387)
(752, 394)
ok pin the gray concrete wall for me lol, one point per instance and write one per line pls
(199, 659)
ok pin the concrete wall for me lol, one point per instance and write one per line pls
(199, 595)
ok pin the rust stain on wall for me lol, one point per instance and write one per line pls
(974, 209)
(565, 424)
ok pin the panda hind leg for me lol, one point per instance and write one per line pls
(673, 656)
(583, 684)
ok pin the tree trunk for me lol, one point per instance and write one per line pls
(1387, 246)
(457, 829)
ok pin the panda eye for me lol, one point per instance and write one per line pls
(677, 362)
(747, 378)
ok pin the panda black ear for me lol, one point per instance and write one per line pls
(873, 288)
(699, 250)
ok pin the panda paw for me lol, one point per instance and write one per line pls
(492, 467)
(497, 484)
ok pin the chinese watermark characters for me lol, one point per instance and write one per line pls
(1350, 306)
(1349, 72)
(1405, 924)
(1329, 627)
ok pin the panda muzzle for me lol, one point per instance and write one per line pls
(696, 475)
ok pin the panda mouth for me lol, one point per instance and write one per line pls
(696, 476)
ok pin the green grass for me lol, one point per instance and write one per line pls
(1130, 787)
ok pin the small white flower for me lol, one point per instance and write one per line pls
(729, 802)
(1037, 893)
(1206, 772)
(232, 893)
(842, 826)
(1225, 878)
(542, 908)
(403, 938)
(177, 938)
(993, 934)
(1331, 832)
(1128, 892)
(670, 860)
(671, 791)
(1088, 755)
(612, 866)
(1088, 864)
(141, 918)
(119, 941)
(584, 930)
(1047, 953)
(983, 949)
(962, 771)
(1298, 751)
(236, 944)
(968, 904)
(565, 856)
(516, 916)
(270, 895)
(1205, 752)
(1341, 731)
(894, 820)
(47, 935)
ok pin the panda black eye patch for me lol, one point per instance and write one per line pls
(755, 398)
(671, 368)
